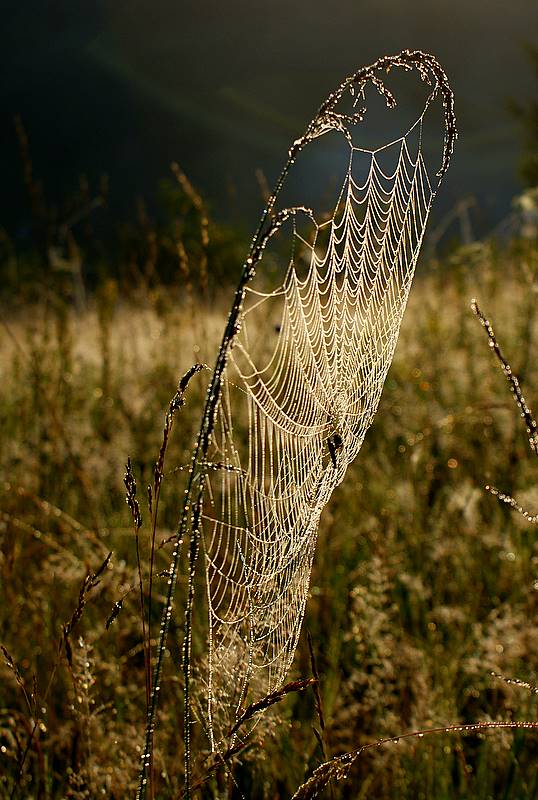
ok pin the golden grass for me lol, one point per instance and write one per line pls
(424, 584)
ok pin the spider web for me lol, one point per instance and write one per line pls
(299, 391)
(287, 412)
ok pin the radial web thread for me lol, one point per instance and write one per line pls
(296, 404)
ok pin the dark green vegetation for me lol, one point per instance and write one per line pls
(528, 117)
(423, 584)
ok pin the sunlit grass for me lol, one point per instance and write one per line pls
(423, 583)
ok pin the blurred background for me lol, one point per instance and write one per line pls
(123, 89)
(117, 270)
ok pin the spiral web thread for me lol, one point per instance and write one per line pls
(258, 480)
(294, 412)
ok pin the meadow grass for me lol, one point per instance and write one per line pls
(424, 584)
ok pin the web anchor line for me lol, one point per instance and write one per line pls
(286, 413)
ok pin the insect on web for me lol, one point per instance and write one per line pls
(300, 388)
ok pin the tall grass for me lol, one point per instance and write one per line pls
(423, 584)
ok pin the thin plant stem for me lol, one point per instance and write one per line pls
(513, 381)
(339, 766)
(525, 411)
(90, 581)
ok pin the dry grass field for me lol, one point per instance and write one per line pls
(423, 585)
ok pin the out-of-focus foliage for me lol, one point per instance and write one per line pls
(423, 583)
(70, 249)
(528, 116)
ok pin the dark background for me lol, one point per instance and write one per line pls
(125, 87)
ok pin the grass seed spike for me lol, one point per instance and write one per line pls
(295, 387)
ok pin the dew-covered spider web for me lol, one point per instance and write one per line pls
(298, 378)
(300, 388)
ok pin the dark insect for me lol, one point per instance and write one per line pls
(115, 611)
(335, 444)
